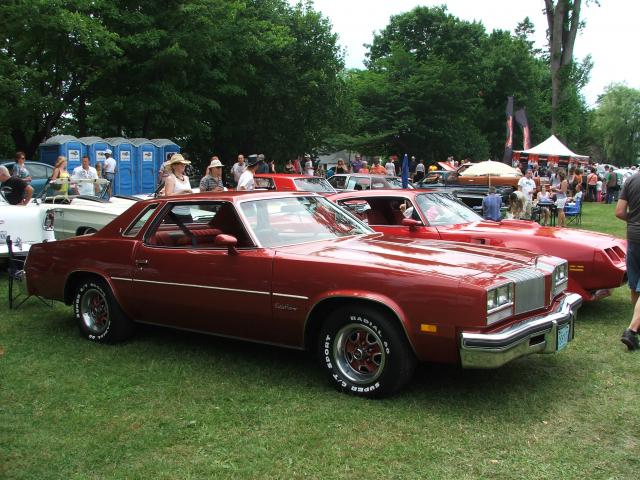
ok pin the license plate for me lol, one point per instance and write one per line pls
(563, 336)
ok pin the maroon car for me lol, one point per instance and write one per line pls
(294, 269)
(596, 261)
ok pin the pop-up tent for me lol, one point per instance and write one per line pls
(551, 149)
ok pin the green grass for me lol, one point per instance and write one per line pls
(169, 405)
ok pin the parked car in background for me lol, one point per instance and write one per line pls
(364, 181)
(470, 195)
(58, 212)
(597, 262)
(40, 173)
(292, 182)
(294, 269)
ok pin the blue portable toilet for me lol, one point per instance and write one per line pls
(94, 148)
(66, 145)
(145, 156)
(123, 153)
(166, 148)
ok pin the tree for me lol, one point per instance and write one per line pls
(52, 52)
(563, 19)
(617, 124)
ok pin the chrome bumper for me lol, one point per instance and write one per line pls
(536, 335)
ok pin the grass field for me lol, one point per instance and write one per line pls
(173, 405)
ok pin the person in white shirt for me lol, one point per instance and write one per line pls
(109, 169)
(246, 181)
(527, 186)
(85, 172)
(177, 183)
(391, 167)
(308, 165)
(238, 168)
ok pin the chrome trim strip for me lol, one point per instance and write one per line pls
(286, 295)
(122, 278)
(208, 287)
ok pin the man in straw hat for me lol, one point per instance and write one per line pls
(177, 183)
(212, 181)
(246, 181)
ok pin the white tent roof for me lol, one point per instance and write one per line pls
(552, 146)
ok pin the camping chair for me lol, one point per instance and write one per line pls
(17, 279)
(573, 213)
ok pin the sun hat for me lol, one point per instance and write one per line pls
(177, 158)
(215, 163)
(108, 151)
(252, 160)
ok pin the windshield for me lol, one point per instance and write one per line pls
(314, 184)
(64, 187)
(442, 209)
(294, 220)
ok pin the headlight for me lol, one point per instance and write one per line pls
(499, 302)
(560, 277)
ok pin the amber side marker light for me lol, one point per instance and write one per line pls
(425, 327)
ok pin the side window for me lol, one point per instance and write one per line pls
(338, 181)
(357, 207)
(37, 171)
(196, 225)
(363, 183)
(139, 222)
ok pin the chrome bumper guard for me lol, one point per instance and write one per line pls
(535, 335)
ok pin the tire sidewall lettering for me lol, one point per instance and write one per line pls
(76, 308)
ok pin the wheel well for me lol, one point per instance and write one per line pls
(324, 309)
(73, 281)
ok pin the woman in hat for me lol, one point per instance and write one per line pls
(60, 171)
(177, 183)
(212, 181)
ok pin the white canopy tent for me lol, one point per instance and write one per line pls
(552, 146)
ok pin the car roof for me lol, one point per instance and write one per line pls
(281, 175)
(233, 196)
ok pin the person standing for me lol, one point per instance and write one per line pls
(20, 192)
(238, 168)
(263, 166)
(19, 170)
(391, 167)
(289, 167)
(419, 175)
(308, 165)
(592, 186)
(491, 205)
(561, 196)
(364, 168)
(85, 172)
(628, 210)
(212, 181)
(356, 163)
(60, 172)
(527, 186)
(341, 167)
(246, 180)
(109, 170)
(377, 168)
(177, 183)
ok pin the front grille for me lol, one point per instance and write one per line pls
(529, 289)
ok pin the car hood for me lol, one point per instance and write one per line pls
(522, 228)
(449, 259)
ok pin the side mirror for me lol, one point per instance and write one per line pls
(411, 223)
(228, 241)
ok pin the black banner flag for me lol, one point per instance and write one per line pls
(521, 118)
(508, 145)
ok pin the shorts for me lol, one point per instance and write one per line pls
(110, 176)
(633, 266)
(561, 202)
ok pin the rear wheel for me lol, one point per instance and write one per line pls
(365, 353)
(99, 316)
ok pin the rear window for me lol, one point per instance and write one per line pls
(137, 225)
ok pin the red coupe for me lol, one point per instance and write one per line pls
(293, 182)
(294, 269)
(596, 261)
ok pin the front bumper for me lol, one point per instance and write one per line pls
(535, 335)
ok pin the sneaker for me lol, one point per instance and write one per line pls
(630, 339)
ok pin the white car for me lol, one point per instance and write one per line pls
(55, 215)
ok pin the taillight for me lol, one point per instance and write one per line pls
(49, 220)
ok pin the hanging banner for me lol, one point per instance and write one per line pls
(521, 118)
(508, 145)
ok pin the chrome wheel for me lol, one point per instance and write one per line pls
(359, 353)
(94, 311)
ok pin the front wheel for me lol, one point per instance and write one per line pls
(365, 353)
(98, 314)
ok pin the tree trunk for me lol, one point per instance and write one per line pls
(563, 21)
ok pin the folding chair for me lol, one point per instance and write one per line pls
(18, 280)
(573, 213)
